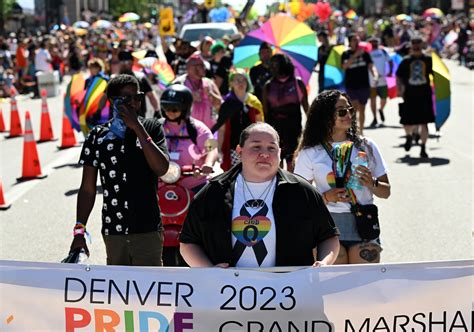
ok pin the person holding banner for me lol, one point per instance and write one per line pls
(130, 153)
(257, 214)
(329, 145)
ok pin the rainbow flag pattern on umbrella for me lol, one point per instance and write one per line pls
(88, 116)
(351, 14)
(333, 72)
(287, 36)
(392, 80)
(442, 91)
(73, 99)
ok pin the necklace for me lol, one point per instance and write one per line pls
(259, 202)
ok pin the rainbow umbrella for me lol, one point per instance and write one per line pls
(129, 17)
(333, 72)
(287, 36)
(160, 68)
(433, 13)
(403, 17)
(351, 14)
(88, 116)
(442, 91)
(80, 25)
(73, 99)
(102, 24)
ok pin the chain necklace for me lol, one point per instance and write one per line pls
(256, 203)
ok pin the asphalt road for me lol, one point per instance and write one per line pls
(429, 215)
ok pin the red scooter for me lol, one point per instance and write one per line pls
(174, 200)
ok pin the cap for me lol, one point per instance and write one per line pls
(218, 46)
(196, 57)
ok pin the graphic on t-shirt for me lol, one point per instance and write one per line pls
(417, 73)
(251, 230)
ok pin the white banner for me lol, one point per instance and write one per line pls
(435, 296)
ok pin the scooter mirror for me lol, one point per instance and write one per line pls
(173, 174)
(210, 144)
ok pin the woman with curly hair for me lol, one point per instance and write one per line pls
(329, 140)
(283, 96)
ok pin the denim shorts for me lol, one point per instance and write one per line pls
(346, 223)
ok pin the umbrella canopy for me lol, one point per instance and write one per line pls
(81, 32)
(287, 36)
(102, 24)
(403, 17)
(351, 14)
(160, 68)
(129, 17)
(333, 72)
(433, 12)
(81, 25)
(442, 91)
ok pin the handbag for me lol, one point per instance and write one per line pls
(367, 220)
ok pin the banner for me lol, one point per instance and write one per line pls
(434, 296)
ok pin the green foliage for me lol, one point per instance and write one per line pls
(7, 6)
(141, 7)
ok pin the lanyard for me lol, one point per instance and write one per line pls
(340, 156)
(175, 138)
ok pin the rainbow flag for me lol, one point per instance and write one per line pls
(73, 99)
(88, 116)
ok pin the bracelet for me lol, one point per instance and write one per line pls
(79, 231)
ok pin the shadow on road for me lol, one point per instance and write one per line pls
(383, 126)
(410, 161)
(73, 192)
(72, 165)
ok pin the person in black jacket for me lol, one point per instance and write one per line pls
(257, 214)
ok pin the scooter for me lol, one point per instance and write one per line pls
(174, 200)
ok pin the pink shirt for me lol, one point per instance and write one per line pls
(202, 103)
(184, 152)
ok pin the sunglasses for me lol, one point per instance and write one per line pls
(343, 111)
(128, 99)
(172, 110)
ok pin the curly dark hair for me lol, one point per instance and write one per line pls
(118, 82)
(321, 120)
(284, 66)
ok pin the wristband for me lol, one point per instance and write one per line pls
(147, 140)
(79, 231)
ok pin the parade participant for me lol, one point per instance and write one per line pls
(261, 73)
(126, 62)
(183, 51)
(206, 95)
(381, 60)
(323, 53)
(257, 214)
(240, 109)
(96, 70)
(332, 126)
(220, 65)
(357, 63)
(130, 153)
(187, 137)
(283, 96)
(413, 84)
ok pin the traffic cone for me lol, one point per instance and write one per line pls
(46, 130)
(68, 139)
(3, 204)
(2, 122)
(15, 123)
(31, 163)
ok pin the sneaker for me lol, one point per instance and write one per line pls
(407, 144)
(373, 124)
(382, 116)
(423, 153)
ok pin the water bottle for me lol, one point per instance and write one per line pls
(360, 159)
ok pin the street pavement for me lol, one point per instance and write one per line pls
(428, 217)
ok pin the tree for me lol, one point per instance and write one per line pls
(118, 7)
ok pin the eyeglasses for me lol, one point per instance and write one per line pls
(129, 98)
(343, 112)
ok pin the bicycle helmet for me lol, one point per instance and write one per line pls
(177, 96)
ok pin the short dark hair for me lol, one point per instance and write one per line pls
(285, 66)
(264, 46)
(118, 82)
(350, 36)
(323, 34)
(257, 126)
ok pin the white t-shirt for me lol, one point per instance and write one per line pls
(253, 229)
(42, 59)
(380, 57)
(314, 164)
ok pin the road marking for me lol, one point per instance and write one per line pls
(22, 188)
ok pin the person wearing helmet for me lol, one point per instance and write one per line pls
(188, 138)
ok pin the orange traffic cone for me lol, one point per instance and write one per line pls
(15, 123)
(31, 163)
(46, 131)
(2, 122)
(3, 204)
(68, 139)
